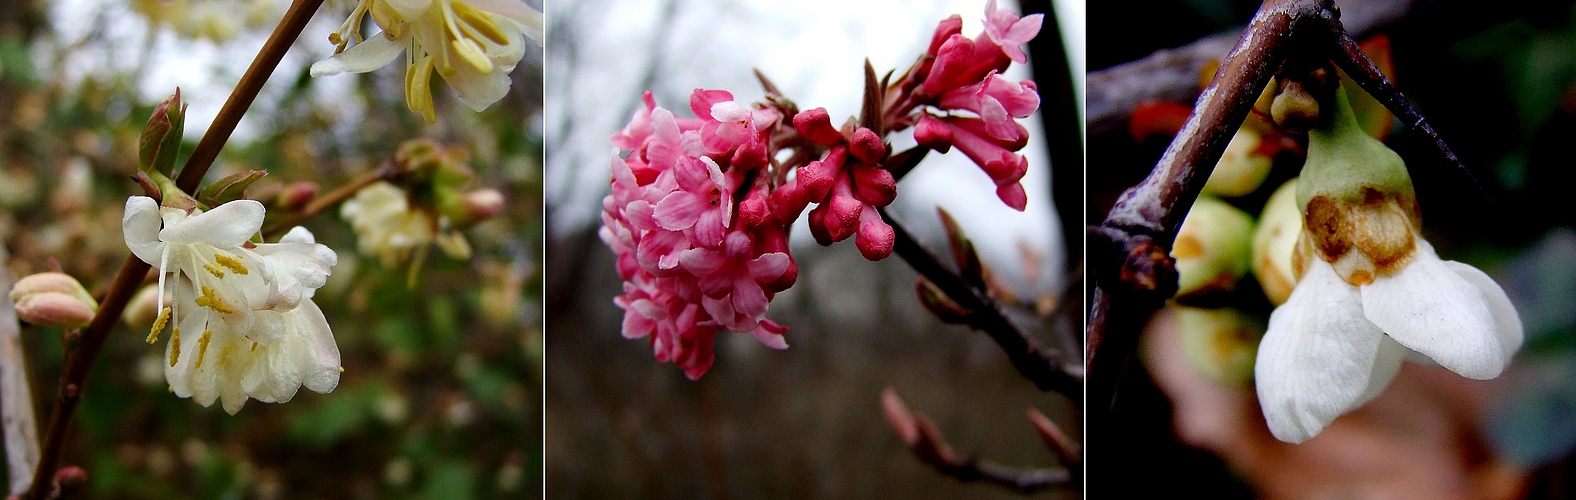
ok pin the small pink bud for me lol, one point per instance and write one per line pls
(817, 177)
(482, 204)
(873, 185)
(875, 236)
(1013, 195)
(53, 299)
(298, 194)
(867, 146)
(816, 125)
(750, 155)
(842, 216)
(753, 211)
(933, 133)
(788, 201)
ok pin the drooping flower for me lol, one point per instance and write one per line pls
(1371, 288)
(250, 327)
(472, 44)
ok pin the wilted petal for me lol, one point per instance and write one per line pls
(1431, 309)
(1319, 357)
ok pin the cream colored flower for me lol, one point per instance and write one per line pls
(1371, 288)
(245, 324)
(472, 44)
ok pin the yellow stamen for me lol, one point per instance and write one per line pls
(254, 347)
(202, 347)
(482, 24)
(159, 324)
(175, 347)
(230, 263)
(208, 300)
(341, 369)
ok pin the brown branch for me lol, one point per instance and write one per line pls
(925, 439)
(1130, 251)
(1047, 368)
(79, 358)
(332, 199)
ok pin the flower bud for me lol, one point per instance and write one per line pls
(476, 206)
(53, 299)
(297, 195)
(1220, 344)
(143, 309)
(161, 137)
(1242, 169)
(1212, 247)
(1275, 242)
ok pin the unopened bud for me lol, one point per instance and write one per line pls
(1242, 168)
(161, 138)
(142, 309)
(53, 299)
(482, 204)
(1220, 344)
(1275, 241)
(1212, 247)
(297, 195)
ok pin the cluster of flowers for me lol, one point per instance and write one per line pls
(700, 208)
(244, 324)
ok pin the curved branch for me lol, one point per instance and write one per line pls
(925, 439)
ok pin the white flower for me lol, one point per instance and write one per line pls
(472, 44)
(250, 327)
(1371, 289)
(385, 225)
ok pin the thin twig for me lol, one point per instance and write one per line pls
(16, 397)
(1045, 367)
(79, 360)
(1130, 251)
(925, 439)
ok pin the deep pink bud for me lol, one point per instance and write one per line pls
(1013, 196)
(816, 125)
(753, 210)
(788, 201)
(867, 146)
(873, 185)
(818, 175)
(933, 133)
(750, 155)
(875, 236)
(948, 27)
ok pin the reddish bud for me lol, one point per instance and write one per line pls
(867, 146)
(933, 133)
(873, 185)
(816, 125)
(298, 195)
(875, 237)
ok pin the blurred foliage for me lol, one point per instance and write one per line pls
(440, 397)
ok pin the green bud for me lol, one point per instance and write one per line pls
(1212, 248)
(161, 138)
(1220, 343)
(1241, 170)
(1275, 242)
(1343, 161)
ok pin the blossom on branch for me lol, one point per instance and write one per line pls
(472, 44)
(1370, 290)
(244, 322)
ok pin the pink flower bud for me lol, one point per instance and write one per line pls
(482, 204)
(873, 185)
(867, 146)
(816, 125)
(933, 133)
(875, 236)
(298, 194)
(53, 299)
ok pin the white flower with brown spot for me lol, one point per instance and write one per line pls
(244, 322)
(1370, 289)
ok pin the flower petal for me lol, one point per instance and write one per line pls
(140, 226)
(372, 53)
(1320, 358)
(226, 226)
(1507, 324)
(1431, 309)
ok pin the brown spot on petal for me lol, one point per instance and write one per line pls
(1328, 226)
(1383, 230)
(1187, 246)
(1360, 277)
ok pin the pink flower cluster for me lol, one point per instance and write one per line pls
(700, 207)
(694, 260)
(959, 74)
